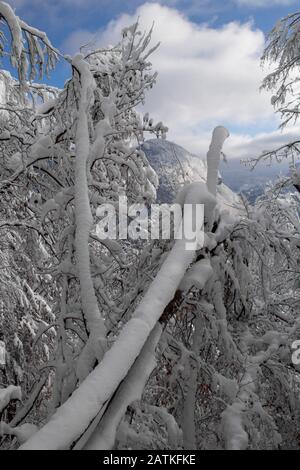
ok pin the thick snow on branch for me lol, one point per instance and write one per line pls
(189, 403)
(37, 52)
(39, 34)
(236, 438)
(83, 217)
(219, 136)
(9, 393)
(233, 417)
(7, 13)
(130, 390)
(197, 275)
(65, 426)
(22, 433)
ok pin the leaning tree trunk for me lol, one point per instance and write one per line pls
(101, 392)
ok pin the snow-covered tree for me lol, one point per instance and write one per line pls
(282, 52)
(68, 154)
(134, 345)
(224, 377)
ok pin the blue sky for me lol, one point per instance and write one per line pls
(61, 17)
(208, 63)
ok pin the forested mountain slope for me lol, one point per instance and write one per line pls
(176, 167)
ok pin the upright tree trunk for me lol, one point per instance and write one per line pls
(83, 219)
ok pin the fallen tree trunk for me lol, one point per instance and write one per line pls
(79, 413)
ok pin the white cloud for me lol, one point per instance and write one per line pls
(206, 77)
(243, 146)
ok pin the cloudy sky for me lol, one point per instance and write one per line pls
(208, 62)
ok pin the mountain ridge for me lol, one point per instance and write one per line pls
(176, 166)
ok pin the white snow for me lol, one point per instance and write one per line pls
(2, 353)
(131, 389)
(94, 347)
(17, 40)
(235, 435)
(65, 426)
(5, 135)
(14, 162)
(22, 432)
(227, 386)
(219, 136)
(197, 275)
(44, 108)
(9, 393)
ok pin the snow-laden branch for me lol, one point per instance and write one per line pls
(219, 136)
(65, 426)
(83, 219)
(39, 49)
(7, 13)
(130, 390)
(9, 393)
(189, 405)
(233, 417)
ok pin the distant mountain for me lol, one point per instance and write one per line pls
(251, 183)
(175, 167)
